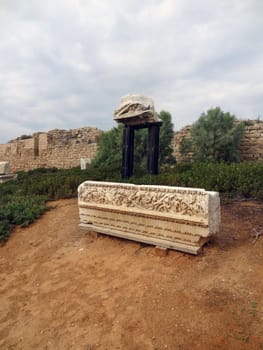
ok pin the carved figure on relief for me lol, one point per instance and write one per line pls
(159, 201)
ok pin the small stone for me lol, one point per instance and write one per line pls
(161, 251)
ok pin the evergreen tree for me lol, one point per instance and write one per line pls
(216, 137)
(110, 148)
(166, 137)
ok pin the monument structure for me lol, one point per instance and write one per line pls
(136, 112)
(169, 217)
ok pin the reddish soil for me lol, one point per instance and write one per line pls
(62, 289)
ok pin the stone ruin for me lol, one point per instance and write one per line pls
(178, 218)
(168, 217)
(5, 172)
(136, 112)
(64, 148)
(85, 163)
(4, 168)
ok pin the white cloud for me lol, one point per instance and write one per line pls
(65, 64)
(13, 130)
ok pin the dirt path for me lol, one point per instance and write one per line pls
(63, 290)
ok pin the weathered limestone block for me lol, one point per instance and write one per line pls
(171, 217)
(4, 168)
(136, 109)
(84, 163)
(5, 172)
(4, 150)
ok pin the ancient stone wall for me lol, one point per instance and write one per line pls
(65, 148)
(251, 147)
(177, 144)
(56, 148)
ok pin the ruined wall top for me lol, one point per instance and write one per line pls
(135, 110)
(56, 148)
(62, 135)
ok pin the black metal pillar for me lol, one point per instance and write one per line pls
(127, 152)
(153, 148)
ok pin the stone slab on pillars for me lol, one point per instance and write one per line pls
(171, 217)
(136, 112)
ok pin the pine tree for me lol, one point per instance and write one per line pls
(216, 137)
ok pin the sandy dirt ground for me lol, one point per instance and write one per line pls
(63, 289)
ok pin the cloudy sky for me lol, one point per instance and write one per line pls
(66, 63)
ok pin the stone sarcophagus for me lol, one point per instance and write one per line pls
(171, 217)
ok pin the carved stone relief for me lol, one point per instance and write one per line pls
(168, 200)
(173, 217)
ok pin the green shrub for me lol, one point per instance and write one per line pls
(216, 137)
(232, 179)
(20, 211)
(5, 230)
(22, 201)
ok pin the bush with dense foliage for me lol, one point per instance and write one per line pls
(235, 180)
(216, 137)
(24, 200)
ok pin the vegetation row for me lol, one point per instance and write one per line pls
(24, 200)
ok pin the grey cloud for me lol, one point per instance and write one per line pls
(66, 64)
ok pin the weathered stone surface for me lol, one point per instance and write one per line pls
(4, 168)
(56, 148)
(136, 109)
(171, 217)
(64, 148)
(84, 163)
